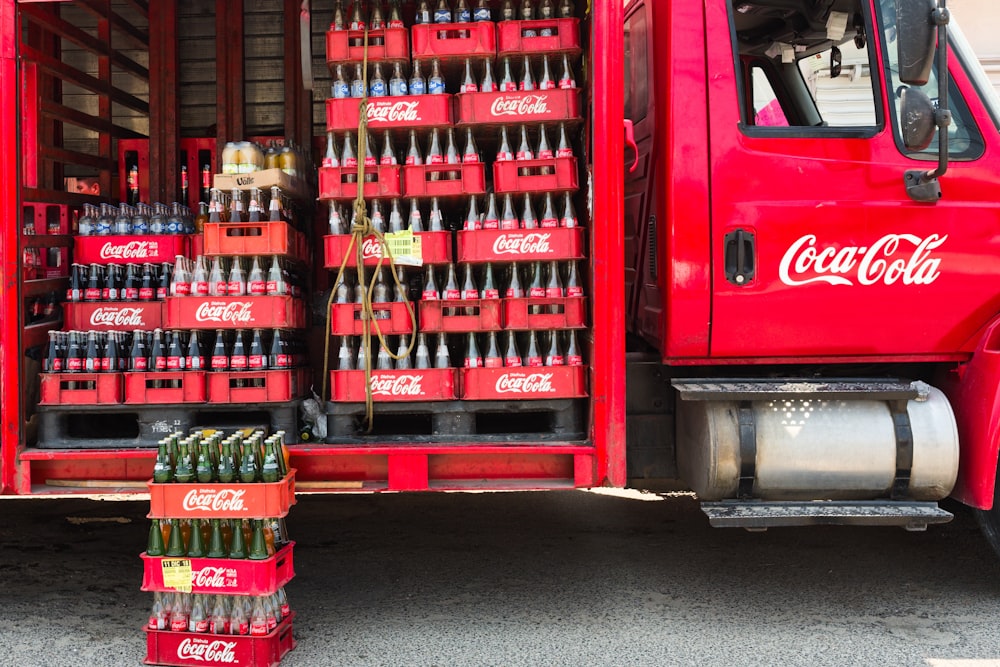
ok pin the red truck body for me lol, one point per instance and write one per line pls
(731, 251)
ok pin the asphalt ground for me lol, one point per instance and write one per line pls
(558, 578)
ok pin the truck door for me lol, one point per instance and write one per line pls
(642, 293)
(817, 249)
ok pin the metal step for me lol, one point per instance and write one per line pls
(911, 515)
(722, 389)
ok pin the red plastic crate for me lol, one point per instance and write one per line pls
(235, 312)
(572, 313)
(49, 219)
(444, 41)
(384, 113)
(517, 384)
(130, 249)
(117, 316)
(435, 249)
(536, 106)
(523, 245)
(346, 319)
(387, 183)
(395, 46)
(471, 180)
(187, 649)
(565, 37)
(426, 384)
(450, 315)
(140, 388)
(262, 500)
(225, 575)
(507, 176)
(255, 386)
(255, 238)
(90, 389)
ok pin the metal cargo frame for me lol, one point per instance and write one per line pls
(30, 165)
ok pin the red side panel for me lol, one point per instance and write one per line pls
(607, 234)
(10, 412)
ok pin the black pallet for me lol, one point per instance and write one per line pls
(460, 421)
(125, 426)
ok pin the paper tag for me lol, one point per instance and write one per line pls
(836, 26)
(787, 54)
(177, 574)
(406, 248)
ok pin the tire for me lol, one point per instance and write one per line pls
(989, 520)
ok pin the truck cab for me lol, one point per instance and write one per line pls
(772, 239)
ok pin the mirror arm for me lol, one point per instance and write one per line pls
(923, 186)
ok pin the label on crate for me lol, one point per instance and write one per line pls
(235, 312)
(218, 578)
(137, 250)
(405, 247)
(119, 317)
(397, 385)
(522, 244)
(212, 500)
(215, 651)
(519, 105)
(387, 111)
(525, 383)
(177, 574)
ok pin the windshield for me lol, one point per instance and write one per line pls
(971, 64)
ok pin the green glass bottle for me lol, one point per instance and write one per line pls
(196, 543)
(184, 473)
(204, 471)
(237, 547)
(176, 545)
(258, 545)
(155, 547)
(227, 468)
(216, 543)
(163, 469)
(270, 471)
(248, 466)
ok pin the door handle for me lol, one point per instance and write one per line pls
(630, 142)
(740, 257)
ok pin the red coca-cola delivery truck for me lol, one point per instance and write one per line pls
(787, 237)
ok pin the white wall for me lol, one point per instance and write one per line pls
(979, 20)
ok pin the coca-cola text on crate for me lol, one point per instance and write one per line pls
(494, 108)
(266, 312)
(129, 249)
(222, 501)
(403, 385)
(520, 245)
(549, 382)
(408, 111)
(110, 316)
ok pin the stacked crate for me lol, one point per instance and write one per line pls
(199, 580)
(467, 324)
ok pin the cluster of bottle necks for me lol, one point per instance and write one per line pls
(444, 152)
(234, 276)
(484, 350)
(119, 282)
(436, 83)
(168, 351)
(478, 216)
(255, 615)
(245, 157)
(390, 16)
(253, 205)
(514, 281)
(206, 457)
(138, 220)
(238, 539)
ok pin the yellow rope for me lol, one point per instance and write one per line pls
(361, 228)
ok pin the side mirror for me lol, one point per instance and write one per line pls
(917, 119)
(916, 32)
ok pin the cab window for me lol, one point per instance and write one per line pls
(805, 71)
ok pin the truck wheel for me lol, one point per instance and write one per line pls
(989, 520)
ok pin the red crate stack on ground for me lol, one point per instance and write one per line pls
(218, 555)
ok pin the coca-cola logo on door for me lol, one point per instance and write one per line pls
(110, 316)
(204, 650)
(130, 250)
(522, 244)
(894, 258)
(398, 385)
(236, 312)
(525, 383)
(392, 112)
(224, 500)
(520, 105)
